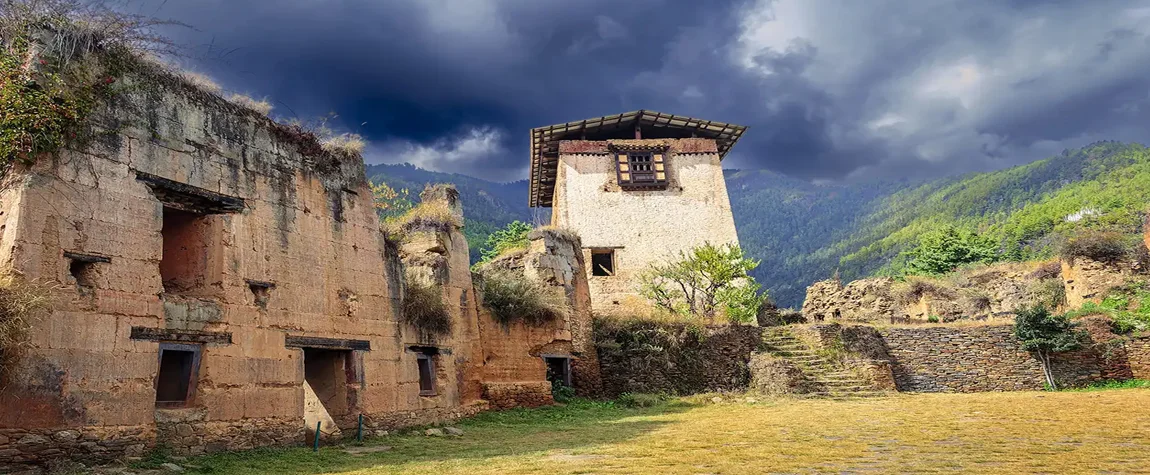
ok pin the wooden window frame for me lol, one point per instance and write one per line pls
(193, 375)
(631, 172)
(614, 261)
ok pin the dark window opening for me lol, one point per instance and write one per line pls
(602, 262)
(558, 370)
(261, 292)
(641, 170)
(426, 364)
(185, 260)
(176, 380)
(83, 272)
(330, 373)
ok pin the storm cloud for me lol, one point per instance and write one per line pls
(831, 90)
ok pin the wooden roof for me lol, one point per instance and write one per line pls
(545, 140)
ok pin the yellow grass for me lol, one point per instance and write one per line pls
(1024, 432)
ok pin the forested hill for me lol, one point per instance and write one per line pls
(803, 232)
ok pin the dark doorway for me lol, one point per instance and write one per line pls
(558, 370)
(176, 379)
(329, 372)
(426, 362)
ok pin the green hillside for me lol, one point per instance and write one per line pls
(804, 232)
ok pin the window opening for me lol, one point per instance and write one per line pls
(602, 262)
(426, 364)
(176, 380)
(641, 170)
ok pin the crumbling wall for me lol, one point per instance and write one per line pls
(863, 300)
(640, 356)
(292, 258)
(514, 371)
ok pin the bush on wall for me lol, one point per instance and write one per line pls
(423, 308)
(512, 297)
(22, 303)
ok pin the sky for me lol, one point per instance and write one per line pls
(830, 90)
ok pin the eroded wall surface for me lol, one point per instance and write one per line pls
(642, 227)
(287, 256)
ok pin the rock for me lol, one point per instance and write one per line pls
(184, 430)
(171, 467)
(752, 400)
(3, 439)
(716, 399)
(32, 443)
(453, 431)
(66, 436)
(434, 432)
(381, 433)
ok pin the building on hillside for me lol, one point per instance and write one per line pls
(637, 187)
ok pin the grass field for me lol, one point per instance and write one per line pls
(1027, 432)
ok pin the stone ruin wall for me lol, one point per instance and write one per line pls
(289, 256)
(510, 380)
(589, 201)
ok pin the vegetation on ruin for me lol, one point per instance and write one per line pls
(705, 281)
(1012, 432)
(432, 215)
(261, 106)
(22, 303)
(510, 238)
(48, 82)
(1103, 246)
(1128, 307)
(424, 308)
(512, 297)
(1044, 334)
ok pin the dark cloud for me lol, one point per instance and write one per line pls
(830, 89)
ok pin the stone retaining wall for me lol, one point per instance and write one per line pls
(651, 357)
(988, 358)
(20, 448)
(523, 394)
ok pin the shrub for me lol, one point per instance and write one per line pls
(703, 281)
(1128, 308)
(22, 303)
(916, 287)
(423, 308)
(642, 399)
(1045, 334)
(562, 392)
(942, 251)
(1050, 293)
(511, 237)
(433, 214)
(262, 105)
(347, 144)
(1102, 246)
(510, 296)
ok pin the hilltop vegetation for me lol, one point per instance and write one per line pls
(803, 232)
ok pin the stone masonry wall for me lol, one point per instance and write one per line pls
(654, 357)
(988, 358)
(589, 201)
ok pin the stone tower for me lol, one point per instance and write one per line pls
(638, 187)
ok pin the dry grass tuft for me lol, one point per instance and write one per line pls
(423, 308)
(1102, 246)
(200, 80)
(347, 144)
(557, 232)
(430, 215)
(262, 106)
(916, 287)
(512, 297)
(22, 304)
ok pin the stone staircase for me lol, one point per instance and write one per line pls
(823, 377)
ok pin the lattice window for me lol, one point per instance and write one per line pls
(643, 170)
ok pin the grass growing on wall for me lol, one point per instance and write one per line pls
(424, 309)
(512, 297)
(22, 303)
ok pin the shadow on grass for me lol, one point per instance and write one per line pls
(580, 424)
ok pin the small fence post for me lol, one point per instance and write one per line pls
(315, 448)
(359, 430)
